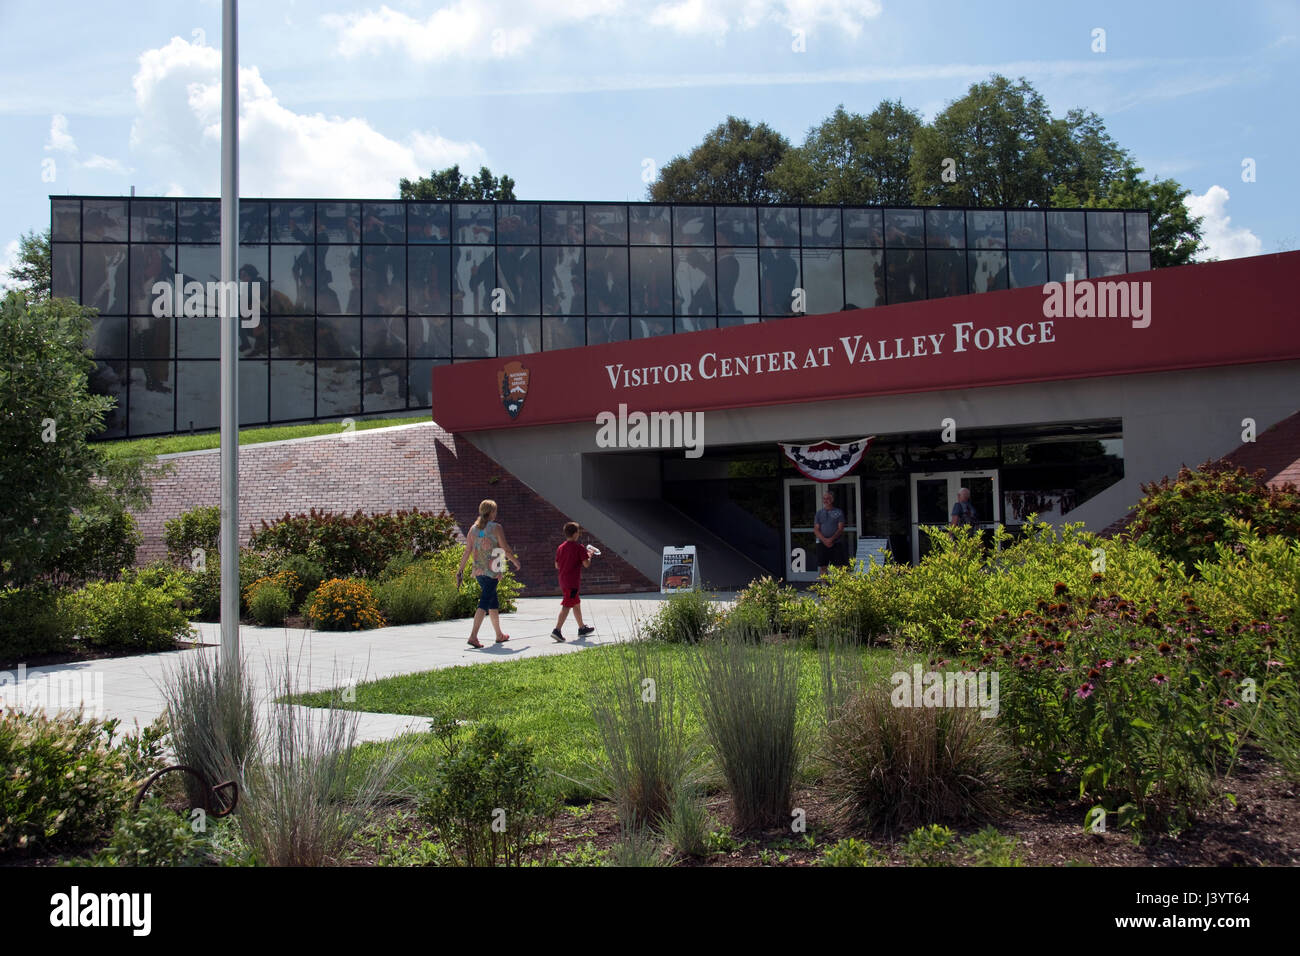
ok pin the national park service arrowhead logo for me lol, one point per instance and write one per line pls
(512, 381)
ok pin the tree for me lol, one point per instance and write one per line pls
(851, 158)
(733, 164)
(31, 273)
(450, 184)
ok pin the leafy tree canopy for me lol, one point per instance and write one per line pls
(733, 164)
(450, 184)
(31, 273)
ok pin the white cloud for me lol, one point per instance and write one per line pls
(60, 141)
(8, 259)
(282, 153)
(1222, 240)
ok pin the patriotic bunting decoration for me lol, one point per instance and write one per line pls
(825, 460)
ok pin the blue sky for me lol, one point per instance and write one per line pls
(576, 98)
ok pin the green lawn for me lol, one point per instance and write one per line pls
(544, 699)
(171, 444)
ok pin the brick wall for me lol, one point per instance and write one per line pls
(389, 469)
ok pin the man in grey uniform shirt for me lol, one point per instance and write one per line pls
(828, 525)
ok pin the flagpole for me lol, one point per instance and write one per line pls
(229, 325)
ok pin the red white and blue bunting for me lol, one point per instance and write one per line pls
(825, 460)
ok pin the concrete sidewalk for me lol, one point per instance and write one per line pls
(129, 688)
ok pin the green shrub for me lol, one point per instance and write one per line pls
(309, 575)
(864, 607)
(103, 542)
(415, 595)
(1255, 579)
(61, 785)
(196, 528)
(686, 617)
(154, 836)
(33, 621)
(1276, 724)
(205, 590)
(852, 852)
(486, 798)
(253, 567)
(339, 605)
(445, 563)
(357, 544)
(929, 846)
(269, 605)
(988, 847)
(131, 615)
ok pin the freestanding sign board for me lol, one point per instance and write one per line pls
(871, 551)
(681, 569)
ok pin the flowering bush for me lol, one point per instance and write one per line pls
(358, 544)
(285, 580)
(343, 605)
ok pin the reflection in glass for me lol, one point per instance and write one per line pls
(779, 277)
(252, 392)
(863, 227)
(693, 225)
(107, 336)
(383, 336)
(518, 335)
(904, 229)
(66, 215)
(1062, 264)
(429, 280)
(1064, 229)
(905, 274)
(152, 402)
(562, 224)
(563, 332)
(474, 338)
(1137, 228)
(725, 322)
(292, 336)
(562, 281)
(693, 281)
(1105, 230)
(429, 337)
(864, 278)
(737, 226)
(987, 228)
(198, 336)
(603, 330)
(429, 222)
(643, 328)
(517, 223)
(649, 225)
(383, 222)
(1139, 261)
(738, 282)
(104, 279)
(200, 263)
(109, 378)
(821, 227)
(150, 264)
(1025, 230)
(696, 323)
(338, 389)
(65, 264)
(988, 271)
(945, 229)
(606, 225)
(651, 281)
(293, 391)
(778, 226)
(197, 384)
(153, 220)
(1028, 269)
(1102, 264)
(384, 385)
(104, 220)
(474, 223)
(253, 261)
(419, 387)
(473, 278)
(383, 277)
(518, 275)
(151, 338)
(293, 222)
(607, 281)
(338, 222)
(293, 280)
(823, 281)
(254, 221)
(945, 272)
(338, 337)
(199, 220)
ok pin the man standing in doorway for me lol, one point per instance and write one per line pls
(963, 512)
(828, 525)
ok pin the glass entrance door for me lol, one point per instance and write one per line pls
(803, 499)
(934, 494)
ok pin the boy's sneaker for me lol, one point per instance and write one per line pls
(557, 636)
(585, 630)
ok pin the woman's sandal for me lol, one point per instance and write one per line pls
(502, 639)
(474, 643)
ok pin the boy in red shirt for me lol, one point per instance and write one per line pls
(570, 559)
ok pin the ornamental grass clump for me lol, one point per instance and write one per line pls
(344, 605)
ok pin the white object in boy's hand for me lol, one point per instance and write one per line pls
(592, 549)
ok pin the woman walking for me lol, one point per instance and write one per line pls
(485, 543)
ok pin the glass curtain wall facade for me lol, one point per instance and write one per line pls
(360, 299)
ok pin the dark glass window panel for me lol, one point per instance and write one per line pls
(1028, 269)
(519, 275)
(104, 220)
(606, 225)
(738, 282)
(104, 278)
(254, 267)
(198, 336)
(693, 225)
(987, 271)
(945, 229)
(518, 335)
(254, 221)
(107, 336)
(151, 338)
(338, 222)
(153, 220)
(694, 283)
(383, 222)
(650, 225)
(252, 392)
(563, 281)
(1139, 261)
(601, 330)
(199, 220)
(197, 384)
(945, 273)
(383, 337)
(562, 224)
(383, 280)
(293, 222)
(65, 215)
(293, 280)
(293, 391)
(563, 332)
(820, 227)
(696, 323)
(253, 340)
(429, 280)
(199, 263)
(419, 388)
(1065, 230)
(293, 336)
(778, 227)
(1105, 231)
(65, 264)
(987, 228)
(383, 385)
(518, 223)
(429, 337)
(474, 276)
(1138, 231)
(904, 229)
(1061, 264)
(652, 281)
(864, 227)
(607, 281)
(726, 322)
(1026, 229)
(474, 337)
(1106, 264)
(864, 278)
(823, 281)
(150, 264)
(643, 328)
(152, 397)
(905, 275)
(428, 222)
(338, 389)
(778, 273)
(737, 226)
(475, 223)
(109, 378)
(338, 337)
(338, 280)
